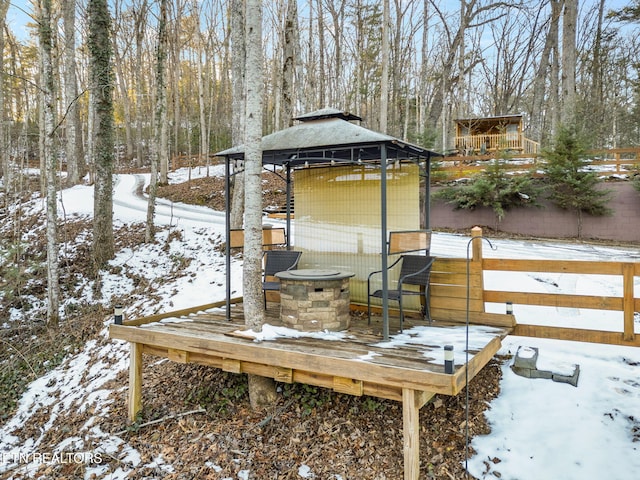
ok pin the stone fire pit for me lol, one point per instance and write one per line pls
(313, 300)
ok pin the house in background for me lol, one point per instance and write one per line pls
(479, 136)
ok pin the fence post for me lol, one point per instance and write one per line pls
(628, 271)
(476, 233)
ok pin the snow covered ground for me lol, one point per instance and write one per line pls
(540, 429)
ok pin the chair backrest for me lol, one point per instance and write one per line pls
(409, 241)
(280, 260)
(413, 264)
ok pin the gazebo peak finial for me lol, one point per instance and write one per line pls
(327, 112)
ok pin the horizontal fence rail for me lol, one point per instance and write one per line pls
(627, 304)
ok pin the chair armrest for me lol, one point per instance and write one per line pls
(388, 268)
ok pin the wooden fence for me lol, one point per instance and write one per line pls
(608, 162)
(449, 294)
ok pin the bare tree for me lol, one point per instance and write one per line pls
(569, 20)
(290, 53)
(4, 150)
(140, 12)
(544, 72)
(159, 149)
(73, 130)
(202, 107)
(261, 389)
(238, 62)
(122, 45)
(384, 80)
(101, 84)
(50, 154)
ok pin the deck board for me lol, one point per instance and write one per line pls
(207, 337)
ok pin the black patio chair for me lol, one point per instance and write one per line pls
(414, 270)
(277, 261)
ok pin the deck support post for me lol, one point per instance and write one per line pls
(412, 401)
(135, 380)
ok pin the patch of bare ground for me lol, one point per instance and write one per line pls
(330, 433)
(209, 191)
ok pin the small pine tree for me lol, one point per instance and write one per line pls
(570, 186)
(495, 188)
(636, 182)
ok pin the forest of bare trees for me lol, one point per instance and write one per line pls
(433, 61)
(91, 86)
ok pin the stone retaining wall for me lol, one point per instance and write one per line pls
(550, 221)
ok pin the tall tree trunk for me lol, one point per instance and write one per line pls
(202, 110)
(238, 60)
(597, 90)
(123, 84)
(4, 147)
(73, 131)
(49, 95)
(461, 105)
(569, 21)
(384, 80)
(554, 82)
(290, 50)
(159, 120)
(101, 82)
(321, 59)
(140, 15)
(542, 74)
(261, 389)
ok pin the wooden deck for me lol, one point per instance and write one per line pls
(355, 362)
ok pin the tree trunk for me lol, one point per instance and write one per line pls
(123, 84)
(598, 96)
(160, 120)
(204, 130)
(261, 389)
(50, 155)
(541, 77)
(384, 79)
(321, 58)
(554, 82)
(73, 130)
(569, 21)
(101, 82)
(140, 15)
(290, 50)
(4, 148)
(238, 56)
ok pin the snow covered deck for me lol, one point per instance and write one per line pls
(408, 368)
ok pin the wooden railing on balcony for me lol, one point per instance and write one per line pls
(608, 162)
(480, 144)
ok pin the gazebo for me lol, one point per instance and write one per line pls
(352, 184)
(340, 168)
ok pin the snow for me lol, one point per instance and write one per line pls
(539, 428)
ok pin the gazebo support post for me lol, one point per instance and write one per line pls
(383, 241)
(227, 226)
(288, 206)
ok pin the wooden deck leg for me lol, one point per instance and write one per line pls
(135, 380)
(412, 401)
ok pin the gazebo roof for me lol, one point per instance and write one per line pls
(327, 135)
